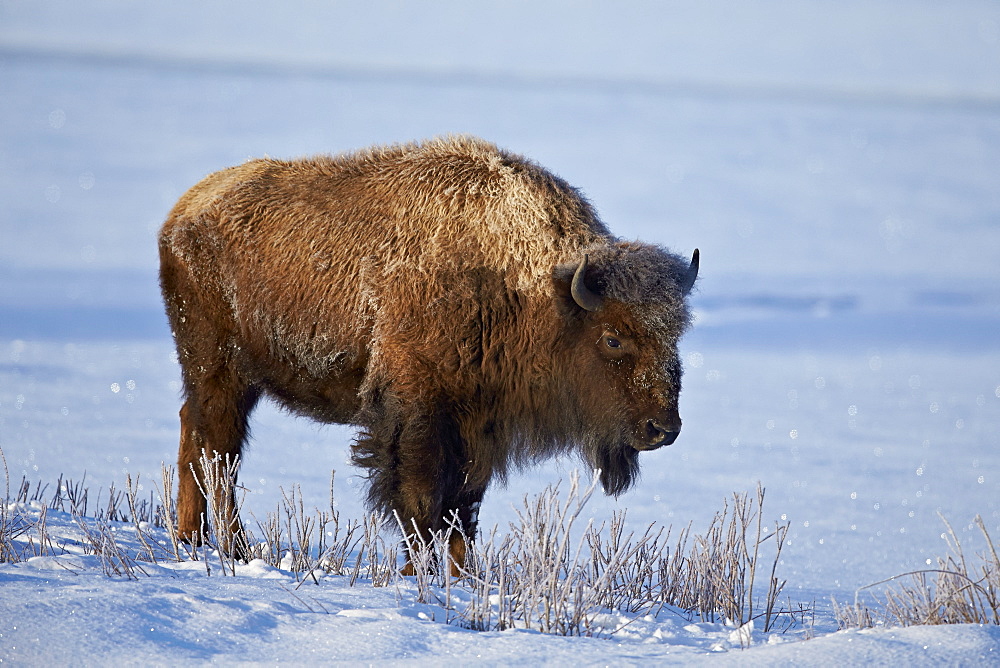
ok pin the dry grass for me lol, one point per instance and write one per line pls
(553, 570)
(550, 574)
(958, 591)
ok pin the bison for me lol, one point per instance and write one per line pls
(462, 306)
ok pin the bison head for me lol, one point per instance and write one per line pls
(625, 310)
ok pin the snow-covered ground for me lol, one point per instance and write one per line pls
(837, 165)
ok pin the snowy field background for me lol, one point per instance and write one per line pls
(838, 165)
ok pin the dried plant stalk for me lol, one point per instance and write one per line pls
(958, 594)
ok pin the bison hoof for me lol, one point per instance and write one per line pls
(408, 570)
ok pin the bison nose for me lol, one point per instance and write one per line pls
(658, 435)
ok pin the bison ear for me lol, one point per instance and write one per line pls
(574, 288)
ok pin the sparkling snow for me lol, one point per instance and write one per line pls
(837, 165)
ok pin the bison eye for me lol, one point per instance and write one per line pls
(612, 346)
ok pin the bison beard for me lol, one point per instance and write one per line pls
(619, 467)
(462, 306)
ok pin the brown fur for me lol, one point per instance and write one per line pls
(421, 292)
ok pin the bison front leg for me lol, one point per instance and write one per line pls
(427, 469)
(416, 470)
(463, 511)
(458, 519)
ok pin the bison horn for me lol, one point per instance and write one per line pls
(691, 274)
(582, 295)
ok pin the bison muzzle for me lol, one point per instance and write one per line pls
(465, 308)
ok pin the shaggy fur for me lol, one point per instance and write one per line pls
(421, 292)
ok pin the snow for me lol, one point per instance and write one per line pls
(64, 608)
(835, 163)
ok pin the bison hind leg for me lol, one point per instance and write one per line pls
(218, 397)
(214, 429)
